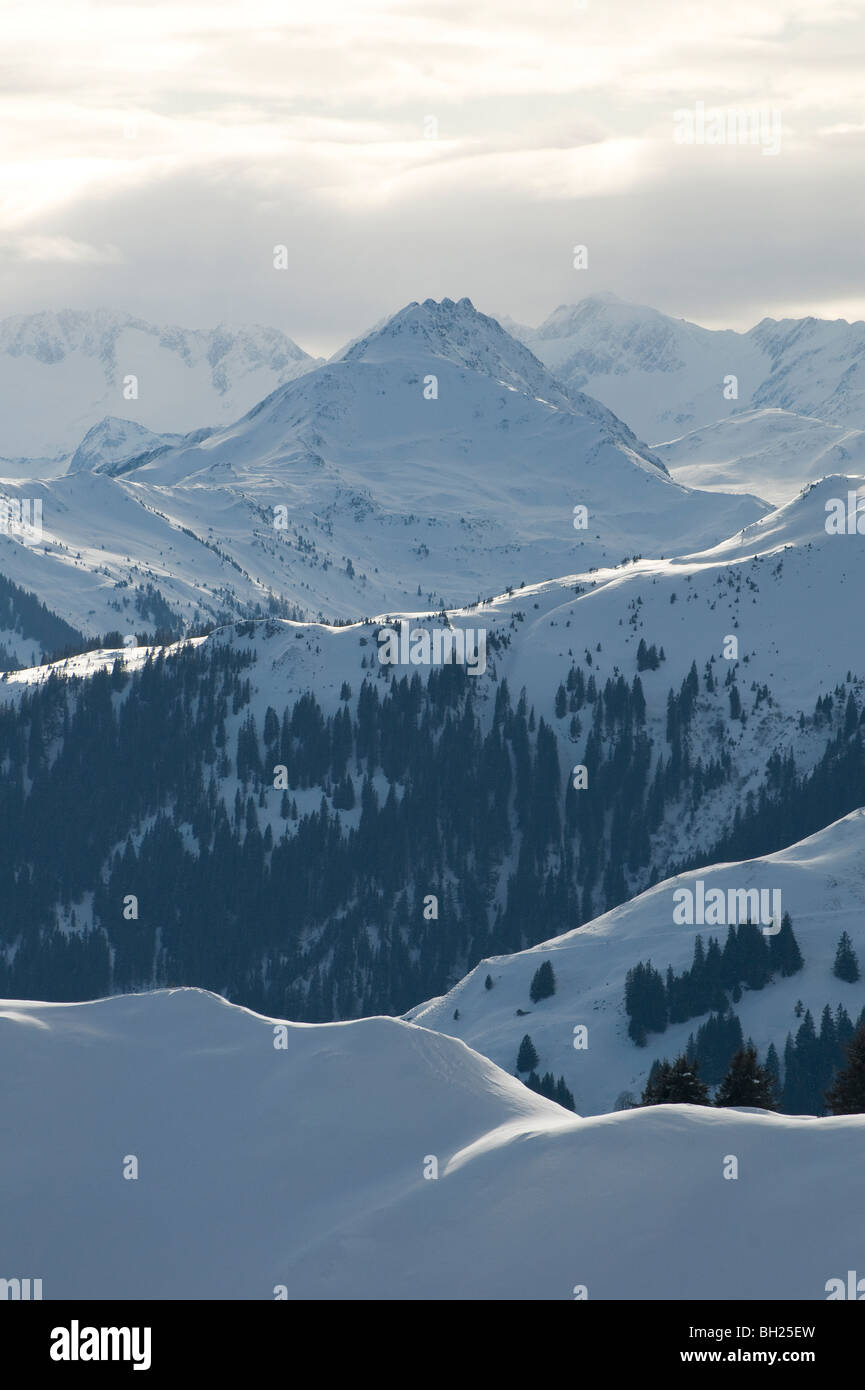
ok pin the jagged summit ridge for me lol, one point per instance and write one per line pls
(459, 332)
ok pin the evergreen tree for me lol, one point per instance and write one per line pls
(773, 1067)
(785, 958)
(676, 1083)
(846, 965)
(851, 716)
(645, 1002)
(844, 1030)
(716, 1041)
(563, 1095)
(552, 1089)
(754, 956)
(803, 1072)
(543, 983)
(527, 1057)
(828, 1040)
(746, 1082)
(846, 1095)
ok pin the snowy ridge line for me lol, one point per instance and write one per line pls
(246, 1141)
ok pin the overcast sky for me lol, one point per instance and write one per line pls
(154, 154)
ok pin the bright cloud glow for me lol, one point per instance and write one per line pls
(175, 144)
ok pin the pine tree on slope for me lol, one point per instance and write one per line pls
(846, 1095)
(676, 1083)
(527, 1057)
(846, 965)
(543, 983)
(746, 1082)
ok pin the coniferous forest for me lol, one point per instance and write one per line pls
(195, 863)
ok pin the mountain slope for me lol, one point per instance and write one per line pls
(80, 361)
(776, 586)
(662, 375)
(767, 451)
(112, 440)
(822, 886)
(666, 376)
(301, 1170)
(403, 781)
(351, 489)
(484, 475)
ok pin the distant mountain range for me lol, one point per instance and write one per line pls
(767, 451)
(665, 376)
(435, 460)
(66, 391)
(61, 373)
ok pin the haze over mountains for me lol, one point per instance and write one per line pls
(395, 472)
(61, 373)
(665, 376)
(768, 451)
(798, 384)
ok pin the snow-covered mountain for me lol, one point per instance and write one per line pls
(665, 376)
(62, 373)
(818, 368)
(767, 451)
(822, 885)
(209, 1152)
(434, 458)
(113, 440)
(777, 588)
(661, 375)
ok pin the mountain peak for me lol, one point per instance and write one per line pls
(113, 439)
(461, 334)
(601, 307)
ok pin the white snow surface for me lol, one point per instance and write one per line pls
(770, 452)
(303, 1168)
